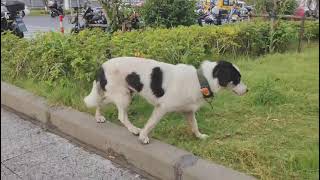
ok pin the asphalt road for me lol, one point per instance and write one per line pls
(46, 23)
(28, 152)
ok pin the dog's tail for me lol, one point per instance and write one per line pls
(98, 89)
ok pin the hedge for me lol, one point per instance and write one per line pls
(56, 58)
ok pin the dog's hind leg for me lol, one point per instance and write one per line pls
(192, 121)
(122, 103)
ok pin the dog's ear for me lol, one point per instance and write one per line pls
(222, 71)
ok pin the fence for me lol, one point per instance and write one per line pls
(288, 17)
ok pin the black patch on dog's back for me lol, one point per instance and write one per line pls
(133, 80)
(226, 72)
(156, 82)
(101, 78)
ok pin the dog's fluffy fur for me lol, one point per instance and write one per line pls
(167, 87)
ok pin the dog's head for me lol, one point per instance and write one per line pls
(223, 74)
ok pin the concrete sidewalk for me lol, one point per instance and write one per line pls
(28, 152)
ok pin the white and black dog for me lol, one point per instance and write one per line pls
(169, 88)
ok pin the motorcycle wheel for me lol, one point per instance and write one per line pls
(18, 33)
(52, 14)
(75, 30)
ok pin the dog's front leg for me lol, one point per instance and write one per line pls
(152, 122)
(123, 117)
(99, 118)
(192, 121)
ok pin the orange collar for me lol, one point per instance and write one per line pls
(204, 85)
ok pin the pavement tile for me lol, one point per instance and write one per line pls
(19, 136)
(34, 154)
(7, 174)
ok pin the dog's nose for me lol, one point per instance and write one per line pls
(247, 90)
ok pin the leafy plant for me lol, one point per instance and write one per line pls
(55, 58)
(266, 93)
(169, 13)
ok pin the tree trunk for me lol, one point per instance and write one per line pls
(301, 33)
(272, 25)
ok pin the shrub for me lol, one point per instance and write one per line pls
(55, 58)
(283, 6)
(178, 45)
(191, 44)
(14, 59)
(311, 30)
(169, 13)
(287, 6)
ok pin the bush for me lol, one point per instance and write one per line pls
(54, 58)
(178, 45)
(191, 44)
(169, 13)
(311, 31)
(14, 56)
(287, 7)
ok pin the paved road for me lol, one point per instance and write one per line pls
(28, 152)
(44, 24)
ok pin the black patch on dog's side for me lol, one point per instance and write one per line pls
(226, 72)
(101, 78)
(156, 82)
(133, 80)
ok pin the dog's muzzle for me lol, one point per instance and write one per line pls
(240, 89)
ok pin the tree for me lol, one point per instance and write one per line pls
(282, 6)
(115, 11)
(169, 13)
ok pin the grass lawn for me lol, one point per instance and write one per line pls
(42, 12)
(271, 133)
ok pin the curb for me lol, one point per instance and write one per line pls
(161, 160)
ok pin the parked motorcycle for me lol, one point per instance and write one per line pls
(94, 18)
(210, 18)
(55, 8)
(11, 17)
(91, 17)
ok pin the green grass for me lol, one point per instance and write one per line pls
(42, 12)
(38, 12)
(271, 133)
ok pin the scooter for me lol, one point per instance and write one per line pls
(55, 8)
(11, 17)
(91, 17)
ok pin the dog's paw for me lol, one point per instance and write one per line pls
(144, 139)
(134, 130)
(202, 136)
(100, 119)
